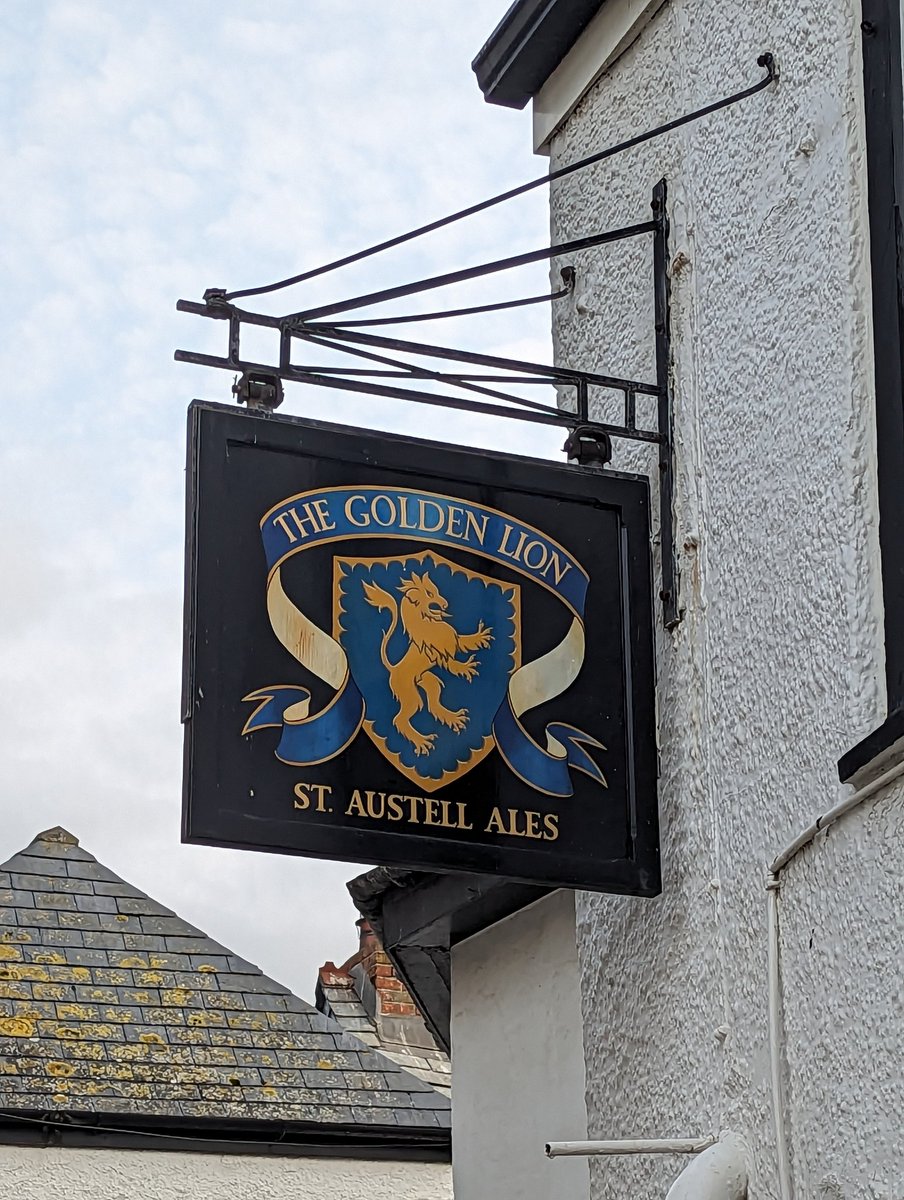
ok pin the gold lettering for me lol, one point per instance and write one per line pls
(505, 549)
(480, 531)
(558, 570)
(372, 809)
(412, 809)
(551, 821)
(495, 825)
(514, 831)
(355, 805)
(462, 818)
(394, 804)
(503, 545)
(454, 514)
(363, 520)
(319, 506)
(390, 510)
(303, 800)
(281, 522)
(541, 562)
(309, 518)
(323, 790)
(430, 809)
(404, 523)
(422, 520)
(533, 825)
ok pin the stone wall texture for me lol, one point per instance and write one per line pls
(777, 667)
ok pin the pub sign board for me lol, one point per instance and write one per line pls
(406, 653)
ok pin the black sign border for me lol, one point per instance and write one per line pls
(211, 426)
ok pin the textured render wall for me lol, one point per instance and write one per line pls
(518, 1058)
(64, 1174)
(777, 666)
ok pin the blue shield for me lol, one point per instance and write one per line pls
(430, 646)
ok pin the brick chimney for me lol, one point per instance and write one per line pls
(393, 997)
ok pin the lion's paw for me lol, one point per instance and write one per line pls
(423, 743)
(457, 720)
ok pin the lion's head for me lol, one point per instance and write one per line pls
(421, 592)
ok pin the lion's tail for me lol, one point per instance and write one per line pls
(381, 599)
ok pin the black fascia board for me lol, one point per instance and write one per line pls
(254, 1138)
(527, 45)
(420, 915)
(884, 121)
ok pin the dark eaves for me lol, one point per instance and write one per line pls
(527, 45)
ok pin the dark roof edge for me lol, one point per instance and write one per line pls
(527, 45)
(255, 1138)
(420, 915)
(368, 890)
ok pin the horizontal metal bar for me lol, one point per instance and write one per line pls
(561, 374)
(387, 374)
(550, 416)
(765, 60)
(534, 372)
(340, 332)
(224, 312)
(467, 273)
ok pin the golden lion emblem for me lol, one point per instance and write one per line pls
(434, 642)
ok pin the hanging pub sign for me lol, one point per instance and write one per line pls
(411, 654)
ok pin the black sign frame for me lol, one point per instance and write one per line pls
(232, 483)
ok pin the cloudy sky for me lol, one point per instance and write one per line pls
(151, 151)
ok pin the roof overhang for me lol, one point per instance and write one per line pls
(293, 1139)
(419, 916)
(526, 47)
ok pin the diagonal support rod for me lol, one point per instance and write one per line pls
(554, 374)
(445, 313)
(467, 273)
(766, 61)
(415, 372)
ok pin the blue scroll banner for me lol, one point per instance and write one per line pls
(340, 515)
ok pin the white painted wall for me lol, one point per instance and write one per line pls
(518, 1057)
(66, 1174)
(777, 667)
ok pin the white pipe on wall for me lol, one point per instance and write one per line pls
(719, 1173)
(774, 1009)
(774, 981)
(630, 1146)
(829, 818)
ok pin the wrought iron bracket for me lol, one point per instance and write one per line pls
(381, 372)
(589, 443)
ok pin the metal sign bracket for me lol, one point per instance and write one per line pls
(590, 441)
(380, 372)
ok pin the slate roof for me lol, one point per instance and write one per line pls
(110, 1003)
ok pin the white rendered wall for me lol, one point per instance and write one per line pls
(777, 668)
(64, 1174)
(518, 1057)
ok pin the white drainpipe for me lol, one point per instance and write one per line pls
(774, 981)
(629, 1146)
(719, 1173)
